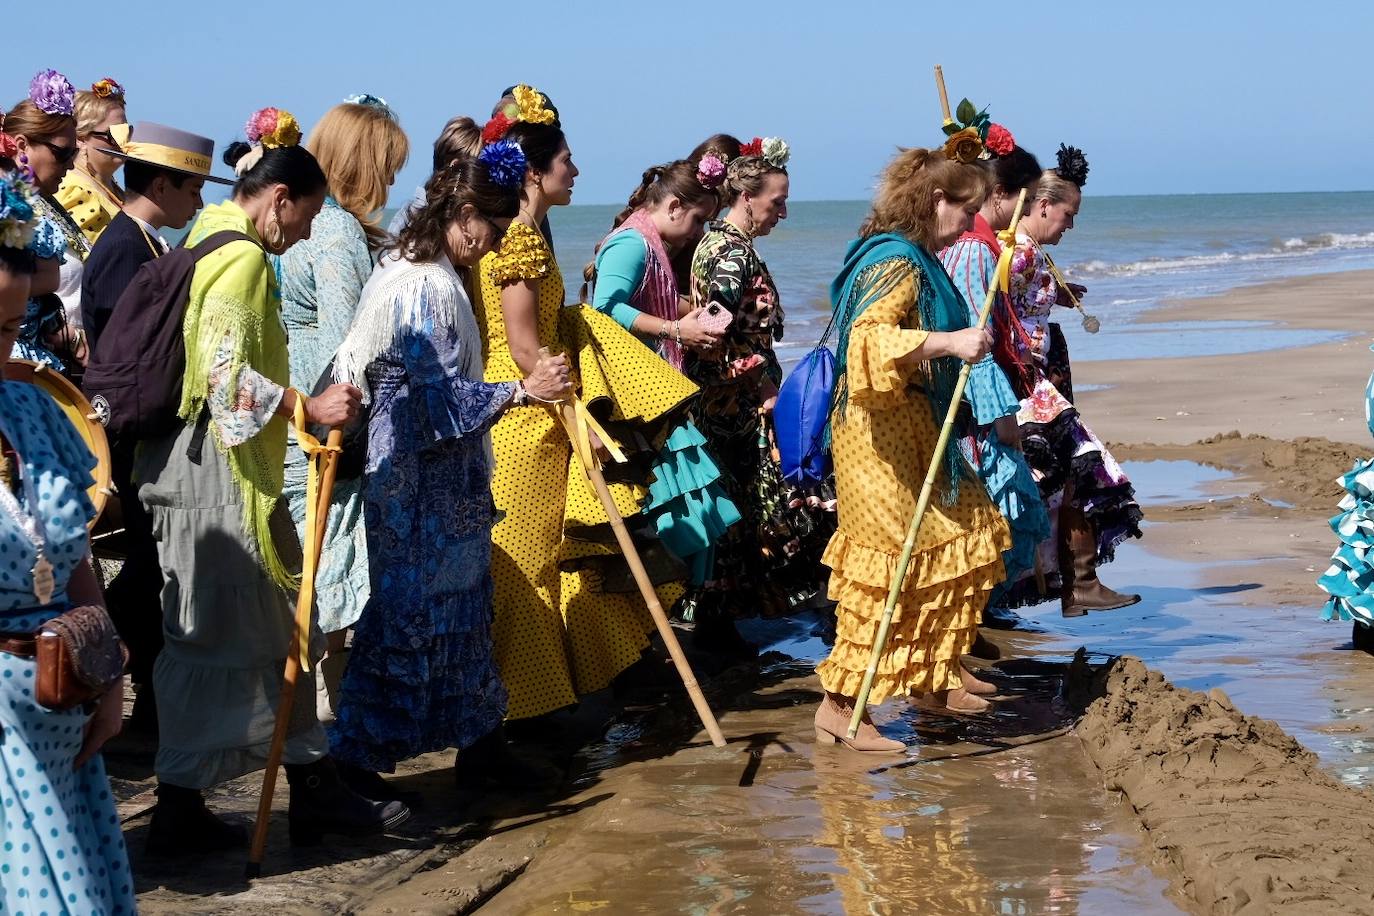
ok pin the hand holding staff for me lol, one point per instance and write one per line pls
(928, 487)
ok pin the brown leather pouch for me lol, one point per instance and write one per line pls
(79, 656)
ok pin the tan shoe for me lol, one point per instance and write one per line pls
(961, 701)
(832, 724)
(975, 685)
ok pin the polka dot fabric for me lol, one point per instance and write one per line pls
(61, 848)
(556, 634)
(881, 448)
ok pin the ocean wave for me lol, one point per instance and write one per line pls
(1289, 248)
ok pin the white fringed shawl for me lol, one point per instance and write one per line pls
(390, 304)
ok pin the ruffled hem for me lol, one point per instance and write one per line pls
(923, 649)
(862, 565)
(687, 505)
(400, 702)
(1349, 580)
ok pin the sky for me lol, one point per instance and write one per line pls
(1164, 97)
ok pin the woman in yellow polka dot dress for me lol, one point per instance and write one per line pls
(557, 634)
(903, 335)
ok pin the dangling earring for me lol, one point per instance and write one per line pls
(749, 214)
(276, 235)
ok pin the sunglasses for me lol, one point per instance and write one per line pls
(498, 233)
(106, 136)
(65, 155)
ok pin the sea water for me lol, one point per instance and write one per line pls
(1131, 252)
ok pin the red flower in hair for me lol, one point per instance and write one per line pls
(753, 148)
(1000, 140)
(496, 128)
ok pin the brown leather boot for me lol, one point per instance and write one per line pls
(832, 724)
(1083, 591)
(973, 684)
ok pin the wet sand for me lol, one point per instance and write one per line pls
(1002, 813)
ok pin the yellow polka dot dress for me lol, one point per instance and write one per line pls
(882, 445)
(557, 634)
(91, 207)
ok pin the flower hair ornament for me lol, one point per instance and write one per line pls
(268, 128)
(505, 162)
(967, 134)
(108, 88)
(52, 93)
(9, 149)
(17, 223)
(528, 104)
(1072, 165)
(48, 242)
(711, 170)
(773, 150)
(369, 100)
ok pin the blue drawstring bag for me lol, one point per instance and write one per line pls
(801, 416)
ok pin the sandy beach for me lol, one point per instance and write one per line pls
(1235, 457)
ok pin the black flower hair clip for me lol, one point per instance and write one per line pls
(1073, 165)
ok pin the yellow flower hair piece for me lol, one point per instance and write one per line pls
(530, 106)
(273, 128)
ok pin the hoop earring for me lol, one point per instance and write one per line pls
(276, 235)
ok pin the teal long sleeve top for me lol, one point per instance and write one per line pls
(620, 267)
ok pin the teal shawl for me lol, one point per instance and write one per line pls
(863, 280)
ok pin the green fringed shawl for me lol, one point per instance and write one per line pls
(234, 295)
(863, 280)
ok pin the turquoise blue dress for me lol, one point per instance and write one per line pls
(321, 280)
(1349, 580)
(688, 505)
(61, 847)
(1011, 486)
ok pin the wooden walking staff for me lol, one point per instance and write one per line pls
(319, 490)
(575, 420)
(927, 488)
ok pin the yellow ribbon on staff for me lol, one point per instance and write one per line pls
(157, 154)
(1003, 275)
(316, 454)
(581, 438)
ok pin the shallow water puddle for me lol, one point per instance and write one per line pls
(1162, 483)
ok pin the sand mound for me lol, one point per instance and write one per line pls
(1243, 811)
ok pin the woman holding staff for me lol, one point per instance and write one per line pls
(1082, 484)
(903, 332)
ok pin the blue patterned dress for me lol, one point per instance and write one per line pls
(422, 676)
(971, 263)
(321, 281)
(1349, 580)
(61, 848)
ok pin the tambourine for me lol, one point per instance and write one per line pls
(81, 415)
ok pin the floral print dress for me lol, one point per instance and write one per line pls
(771, 561)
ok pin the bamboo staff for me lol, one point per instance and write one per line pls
(591, 466)
(324, 466)
(923, 502)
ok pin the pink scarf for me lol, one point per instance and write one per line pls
(657, 294)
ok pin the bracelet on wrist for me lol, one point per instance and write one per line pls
(677, 332)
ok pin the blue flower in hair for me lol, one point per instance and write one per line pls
(16, 211)
(371, 101)
(48, 241)
(505, 162)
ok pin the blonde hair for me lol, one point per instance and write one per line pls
(91, 109)
(905, 200)
(360, 148)
(1054, 188)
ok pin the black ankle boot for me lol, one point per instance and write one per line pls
(489, 761)
(182, 825)
(373, 787)
(321, 803)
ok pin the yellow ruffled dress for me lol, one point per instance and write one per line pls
(88, 202)
(557, 635)
(881, 447)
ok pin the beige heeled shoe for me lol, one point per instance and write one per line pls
(961, 701)
(975, 685)
(832, 724)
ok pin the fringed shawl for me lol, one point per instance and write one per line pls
(234, 299)
(867, 277)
